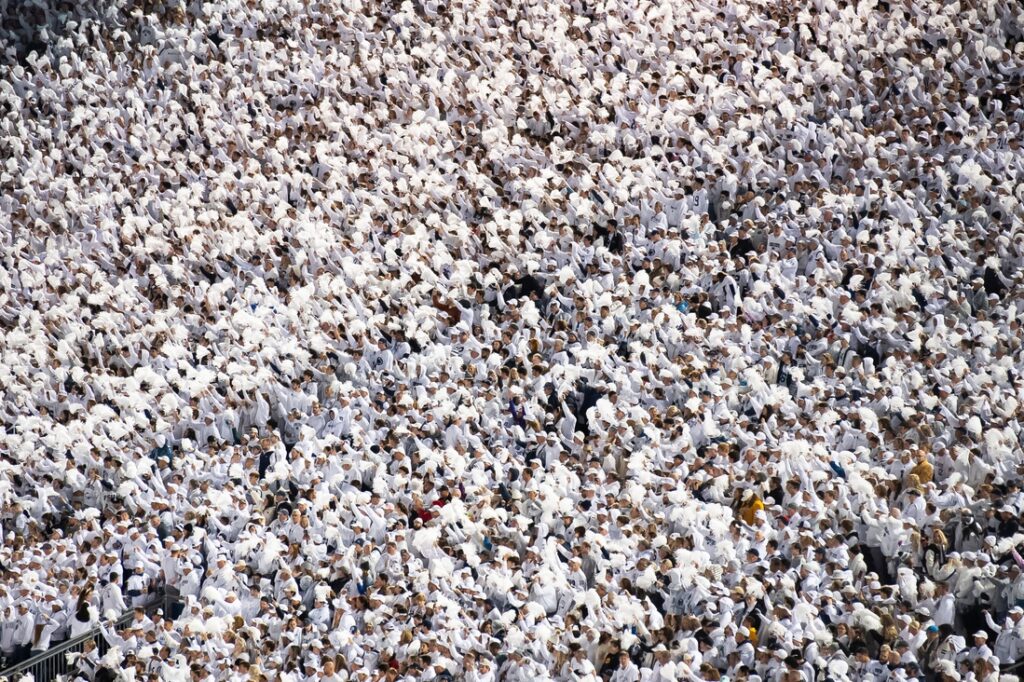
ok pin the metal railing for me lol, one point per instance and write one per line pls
(52, 663)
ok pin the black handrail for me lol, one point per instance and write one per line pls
(48, 665)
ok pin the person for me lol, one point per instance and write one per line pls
(627, 671)
(750, 506)
(46, 625)
(922, 469)
(948, 648)
(24, 632)
(987, 669)
(85, 616)
(8, 629)
(110, 596)
(935, 554)
(1009, 642)
(928, 649)
(138, 586)
(980, 650)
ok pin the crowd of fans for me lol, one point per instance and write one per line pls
(513, 341)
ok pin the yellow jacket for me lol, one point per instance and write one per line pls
(750, 509)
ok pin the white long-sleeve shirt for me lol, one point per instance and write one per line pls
(111, 599)
(945, 610)
(630, 673)
(50, 625)
(1009, 644)
(26, 624)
